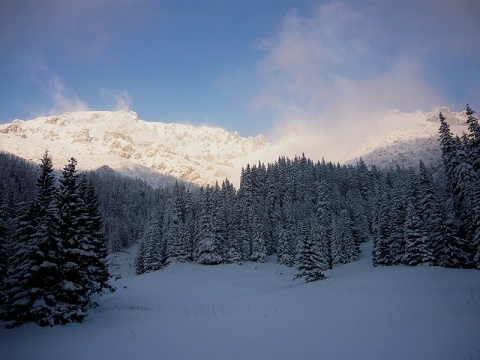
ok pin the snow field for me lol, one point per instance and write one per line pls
(256, 311)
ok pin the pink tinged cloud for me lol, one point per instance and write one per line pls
(331, 87)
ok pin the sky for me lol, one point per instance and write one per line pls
(312, 68)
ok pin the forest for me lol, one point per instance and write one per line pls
(57, 229)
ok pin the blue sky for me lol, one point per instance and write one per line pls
(251, 65)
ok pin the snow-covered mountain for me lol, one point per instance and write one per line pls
(416, 137)
(198, 154)
(123, 142)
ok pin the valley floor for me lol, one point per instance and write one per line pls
(256, 311)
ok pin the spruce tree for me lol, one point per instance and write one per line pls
(96, 240)
(417, 248)
(35, 271)
(73, 291)
(208, 249)
(308, 259)
(259, 249)
(449, 248)
(4, 249)
(285, 254)
(381, 231)
(151, 246)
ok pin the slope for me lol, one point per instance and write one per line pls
(255, 311)
(203, 155)
(138, 148)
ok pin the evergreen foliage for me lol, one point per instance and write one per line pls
(312, 215)
(309, 259)
(58, 258)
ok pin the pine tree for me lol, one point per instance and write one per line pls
(35, 270)
(4, 249)
(259, 249)
(208, 249)
(309, 261)
(417, 249)
(174, 228)
(397, 216)
(473, 147)
(429, 207)
(73, 291)
(449, 248)
(381, 231)
(285, 255)
(152, 242)
(140, 257)
(462, 186)
(96, 240)
(473, 155)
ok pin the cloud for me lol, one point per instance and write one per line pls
(116, 100)
(332, 77)
(63, 98)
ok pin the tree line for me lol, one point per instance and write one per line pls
(55, 234)
(315, 215)
(55, 260)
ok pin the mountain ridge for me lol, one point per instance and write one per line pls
(200, 155)
(122, 141)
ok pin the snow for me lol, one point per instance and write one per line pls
(199, 154)
(256, 311)
(125, 143)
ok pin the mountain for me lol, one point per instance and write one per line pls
(138, 148)
(415, 138)
(201, 155)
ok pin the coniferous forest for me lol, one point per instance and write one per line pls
(56, 230)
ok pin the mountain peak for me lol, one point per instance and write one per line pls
(120, 140)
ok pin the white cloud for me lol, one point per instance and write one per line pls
(116, 100)
(63, 99)
(331, 85)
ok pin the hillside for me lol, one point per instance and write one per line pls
(415, 139)
(202, 155)
(255, 311)
(123, 142)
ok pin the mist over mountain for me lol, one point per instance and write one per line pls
(201, 155)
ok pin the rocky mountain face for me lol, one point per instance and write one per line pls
(201, 155)
(416, 140)
(123, 142)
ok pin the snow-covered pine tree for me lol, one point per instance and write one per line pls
(344, 247)
(174, 227)
(309, 261)
(35, 271)
(381, 230)
(285, 253)
(460, 179)
(228, 223)
(449, 249)
(208, 249)
(473, 155)
(397, 216)
(4, 249)
(417, 247)
(152, 249)
(324, 216)
(140, 257)
(20, 287)
(358, 212)
(429, 207)
(95, 237)
(259, 248)
(73, 291)
(473, 147)
(188, 226)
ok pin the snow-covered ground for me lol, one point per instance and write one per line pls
(256, 311)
